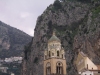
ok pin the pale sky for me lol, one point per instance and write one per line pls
(22, 14)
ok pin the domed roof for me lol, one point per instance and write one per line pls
(54, 38)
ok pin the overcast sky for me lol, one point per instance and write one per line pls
(22, 14)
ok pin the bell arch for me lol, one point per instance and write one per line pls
(59, 68)
(58, 54)
(48, 68)
(49, 54)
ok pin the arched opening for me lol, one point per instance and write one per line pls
(48, 69)
(52, 54)
(58, 53)
(59, 68)
(62, 55)
(49, 54)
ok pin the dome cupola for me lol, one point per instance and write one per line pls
(54, 38)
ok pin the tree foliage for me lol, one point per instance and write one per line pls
(85, 1)
(57, 4)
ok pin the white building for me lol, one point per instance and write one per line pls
(13, 59)
(85, 66)
(87, 73)
(12, 74)
(3, 69)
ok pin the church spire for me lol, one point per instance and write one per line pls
(54, 32)
(54, 38)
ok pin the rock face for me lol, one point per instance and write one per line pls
(12, 41)
(78, 27)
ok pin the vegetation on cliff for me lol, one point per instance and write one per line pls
(12, 41)
(78, 27)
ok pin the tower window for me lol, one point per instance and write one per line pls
(49, 54)
(62, 55)
(52, 54)
(59, 68)
(57, 53)
(48, 69)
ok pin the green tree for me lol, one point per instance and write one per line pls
(57, 4)
(89, 1)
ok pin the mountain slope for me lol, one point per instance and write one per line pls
(12, 41)
(78, 27)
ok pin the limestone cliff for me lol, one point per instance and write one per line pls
(78, 27)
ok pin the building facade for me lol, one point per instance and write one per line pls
(85, 66)
(12, 74)
(3, 69)
(54, 57)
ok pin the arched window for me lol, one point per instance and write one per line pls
(52, 54)
(62, 55)
(49, 54)
(48, 69)
(57, 53)
(59, 68)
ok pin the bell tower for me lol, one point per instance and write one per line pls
(54, 57)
